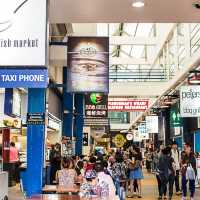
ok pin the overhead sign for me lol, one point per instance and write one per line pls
(26, 78)
(96, 105)
(23, 34)
(128, 105)
(35, 118)
(88, 61)
(189, 101)
(152, 124)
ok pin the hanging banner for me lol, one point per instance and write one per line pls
(23, 33)
(88, 64)
(96, 105)
(128, 105)
(189, 101)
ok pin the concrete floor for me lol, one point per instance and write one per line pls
(149, 190)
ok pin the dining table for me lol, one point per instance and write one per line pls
(66, 197)
(60, 189)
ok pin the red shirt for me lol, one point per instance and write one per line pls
(14, 154)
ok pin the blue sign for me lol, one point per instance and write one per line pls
(26, 78)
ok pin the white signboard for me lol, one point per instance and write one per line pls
(136, 137)
(23, 28)
(143, 132)
(190, 101)
(152, 124)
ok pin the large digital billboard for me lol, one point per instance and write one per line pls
(88, 64)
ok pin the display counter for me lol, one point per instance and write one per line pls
(4, 185)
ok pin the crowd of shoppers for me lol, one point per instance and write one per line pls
(115, 173)
(172, 167)
(121, 171)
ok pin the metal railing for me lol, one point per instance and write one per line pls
(138, 75)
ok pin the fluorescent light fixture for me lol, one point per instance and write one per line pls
(138, 4)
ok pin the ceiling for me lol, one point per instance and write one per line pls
(82, 11)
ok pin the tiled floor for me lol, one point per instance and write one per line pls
(149, 191)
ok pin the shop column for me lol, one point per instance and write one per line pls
(35, 143)
(67, 108)
(78, 125)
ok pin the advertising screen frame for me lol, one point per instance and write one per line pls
(75, 41)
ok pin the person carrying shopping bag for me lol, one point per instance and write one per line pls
(188, 171)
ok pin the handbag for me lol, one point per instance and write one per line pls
(190, 173)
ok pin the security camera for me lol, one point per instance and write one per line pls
(197, 4)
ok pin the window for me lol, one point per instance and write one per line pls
(119, 117)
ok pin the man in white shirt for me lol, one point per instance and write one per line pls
(176, 157)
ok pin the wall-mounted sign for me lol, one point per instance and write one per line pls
(129, 136)
(23, 40)
(96, 122)
(96, 105)
(85, 139)
(26, 78)
(35, 118)
(128, 105)
(189, 101)
(88, 61)
(152, 124)
(119, 140)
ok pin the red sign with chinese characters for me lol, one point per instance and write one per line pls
(128, 105)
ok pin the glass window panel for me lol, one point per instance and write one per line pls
(130, 28)
(144, 29)
(113, 29)
(119, 117)
(102, 29)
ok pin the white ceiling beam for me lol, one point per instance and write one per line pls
(128, 61)
(128, 40)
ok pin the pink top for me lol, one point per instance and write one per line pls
(14, 154)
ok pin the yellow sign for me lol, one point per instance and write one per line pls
(119, 140)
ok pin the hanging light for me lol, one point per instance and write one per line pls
(138, 3)
(194, 78)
